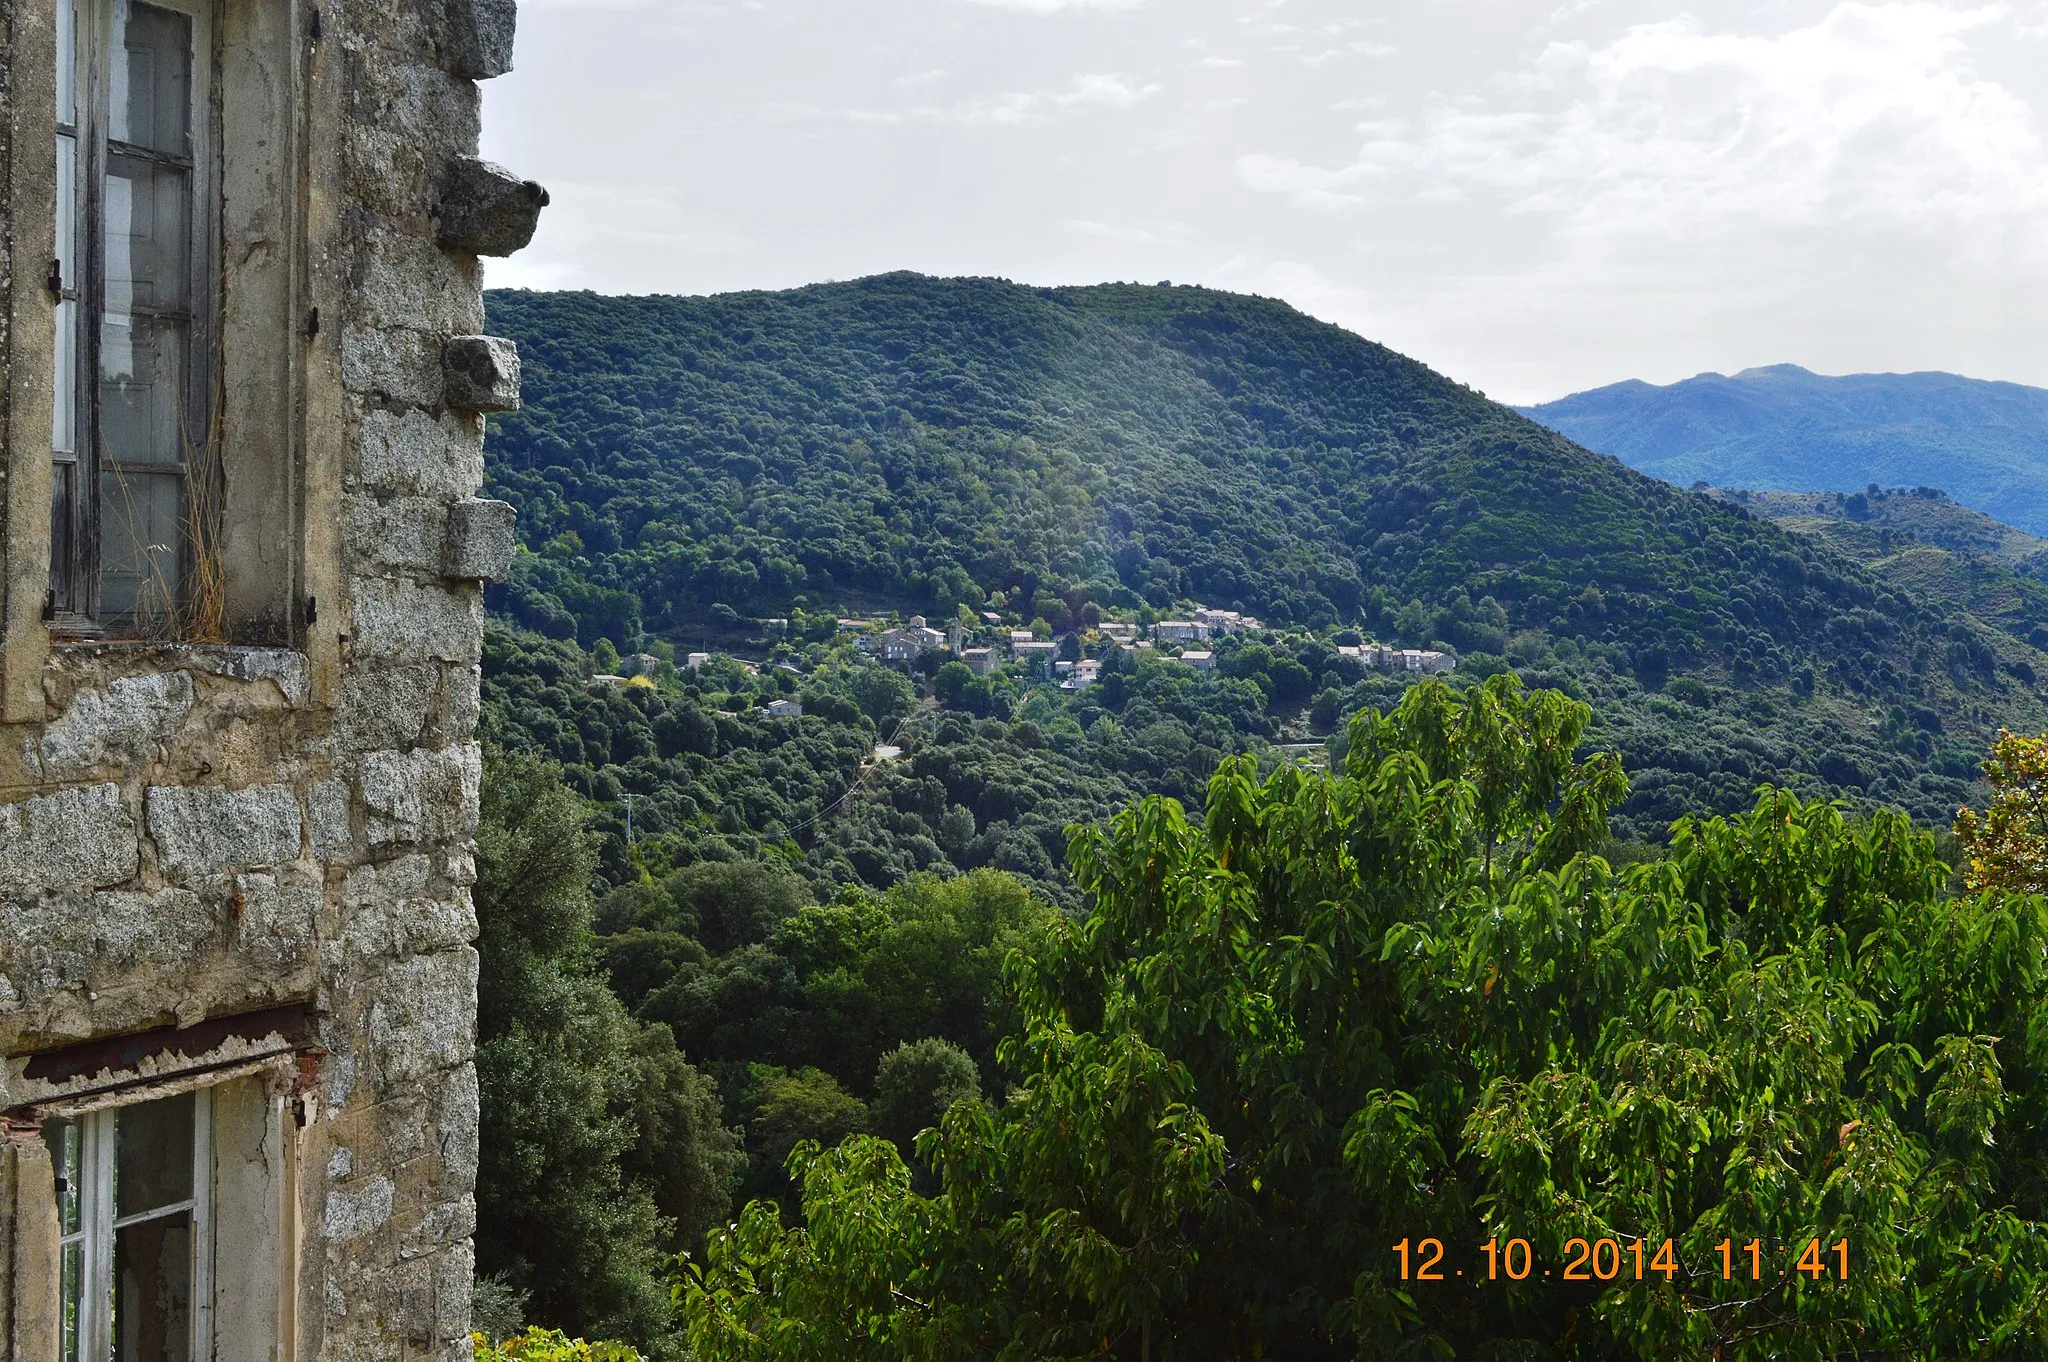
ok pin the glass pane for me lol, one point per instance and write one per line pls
(139, 536)
(65, 1140)
(147, 247)
(61, 476)
(67, 207)
(153, 1155)
(64, 406)
(149, 86)
(142, 363)
(71, 1285)
(67, 62)
(153, 1285)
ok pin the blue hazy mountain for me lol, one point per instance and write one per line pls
(1785, 429)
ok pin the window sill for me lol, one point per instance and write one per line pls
(288, 668)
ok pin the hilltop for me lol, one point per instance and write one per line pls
(1782, 428)
(688, 466)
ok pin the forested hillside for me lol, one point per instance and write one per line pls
(943, 898)
(687, 466)
(1782, 428)
(1918, 541)
(1923, 514)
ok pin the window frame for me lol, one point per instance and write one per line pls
(86, 1327)
(75, 607)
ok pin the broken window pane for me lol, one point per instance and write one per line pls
(153, 1290)
(153, 1156)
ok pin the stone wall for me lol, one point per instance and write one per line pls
(195, 832)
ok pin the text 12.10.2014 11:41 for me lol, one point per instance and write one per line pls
(1607, 1260)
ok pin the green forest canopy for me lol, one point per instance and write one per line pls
(921, 444)
(1402, 1005)
(1304, 1009)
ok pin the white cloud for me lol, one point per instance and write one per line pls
(1113, 91)
(1534, 197)
(1094, 91)
(1171, 234)
(1309, 186)
(679, 8)
(1055, 6)
(1875, 116)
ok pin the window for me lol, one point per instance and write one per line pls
(130, 435)
(135, 1226)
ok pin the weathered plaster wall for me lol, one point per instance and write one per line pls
(191, 832)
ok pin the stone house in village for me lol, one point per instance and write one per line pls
(241, 386)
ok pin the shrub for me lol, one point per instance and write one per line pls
(547, 1345)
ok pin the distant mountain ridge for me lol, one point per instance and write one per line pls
(1782, 428)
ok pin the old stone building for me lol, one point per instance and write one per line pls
(241, 397)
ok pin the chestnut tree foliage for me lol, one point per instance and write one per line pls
(1407, 999)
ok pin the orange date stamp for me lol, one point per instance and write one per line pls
(1628, 1260)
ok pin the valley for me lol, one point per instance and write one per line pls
(688, 468)
(952, 706)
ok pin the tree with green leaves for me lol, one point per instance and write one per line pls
(2007, 846)
(917, 1083)
(603, 1151)
(1404, 1008)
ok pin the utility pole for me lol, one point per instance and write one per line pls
(629, 798)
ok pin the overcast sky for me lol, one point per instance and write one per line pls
(1532, 197)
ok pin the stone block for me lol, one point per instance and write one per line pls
(386, 706)
(338, 1081)
(397, 909)
(130, 719)
(465, 701)
(46, 945)
(485, 209)
(284, 668)
(68, 839)
(276, 925)
(358, 1210)
(421, 796)
(454, 1277)
(409, 281)
(461, 1114)
(405, 1125)
(445, 1223)
(327, 819)
(423, 1019)
(393, 365)
(481, 537)
(481, 373)
(477, 39)
(202, 830)
(398, 532)
(165, 929)
(413, 452)
(401, 620)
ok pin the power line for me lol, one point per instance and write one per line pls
(861, 776)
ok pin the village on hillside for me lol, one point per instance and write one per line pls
(987, 644)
